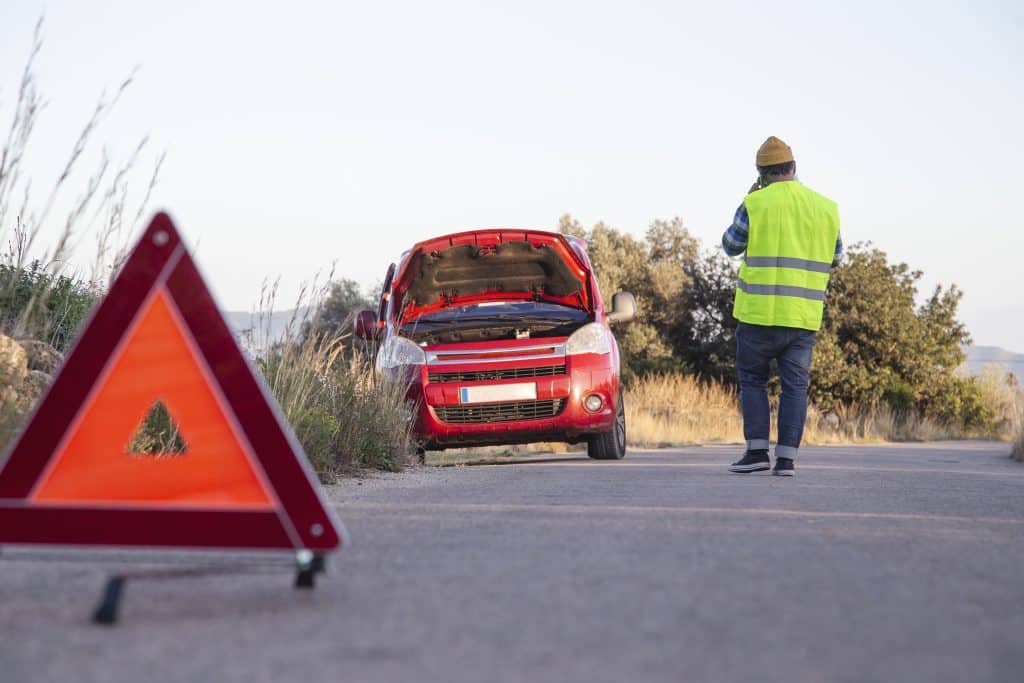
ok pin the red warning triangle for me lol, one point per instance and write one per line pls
(158, 337)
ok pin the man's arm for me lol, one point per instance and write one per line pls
(838, 258)
(734, 241)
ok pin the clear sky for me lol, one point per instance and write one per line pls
(301, 133)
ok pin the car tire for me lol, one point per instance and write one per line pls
(610, 445)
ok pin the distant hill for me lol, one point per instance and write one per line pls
(272, 329)
(980, 357)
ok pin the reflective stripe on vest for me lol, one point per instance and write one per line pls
(782, 290)
(786, 262)
(790, 248)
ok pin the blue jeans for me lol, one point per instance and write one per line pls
(756, 346)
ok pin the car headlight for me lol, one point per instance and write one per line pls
(398, 351)
(591, 338)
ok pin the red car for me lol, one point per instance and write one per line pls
(503, 337)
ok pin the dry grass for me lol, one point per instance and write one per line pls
(1017, 452)
(871, 424)
(675, 410)
(1002, 394)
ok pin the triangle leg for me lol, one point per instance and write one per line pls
(106, 612)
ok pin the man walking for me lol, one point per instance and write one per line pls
(790, 234)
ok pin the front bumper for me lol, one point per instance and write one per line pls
(442, 421)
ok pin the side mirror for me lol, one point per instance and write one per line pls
(366, 325)
(623, 308)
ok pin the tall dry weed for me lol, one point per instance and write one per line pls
(344, 416)
(675, 409)
(1017, 451)
(1002, 394)
(30, 272)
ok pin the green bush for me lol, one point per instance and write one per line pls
(335, 315)
(38, 305)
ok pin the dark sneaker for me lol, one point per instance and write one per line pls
(752, 461)
(783, 467)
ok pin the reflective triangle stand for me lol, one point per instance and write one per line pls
(307, 566)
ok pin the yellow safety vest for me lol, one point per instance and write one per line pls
(790, 249)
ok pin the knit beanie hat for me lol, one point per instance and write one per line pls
(773, 151)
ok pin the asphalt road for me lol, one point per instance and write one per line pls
(896, 563)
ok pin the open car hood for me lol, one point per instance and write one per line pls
(491, 265)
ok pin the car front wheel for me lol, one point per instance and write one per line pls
(610, 445)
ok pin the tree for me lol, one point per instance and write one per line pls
(335, 315)
(877, 346)
(705, 335)
(653, 269)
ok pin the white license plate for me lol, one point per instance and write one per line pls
(494, 393)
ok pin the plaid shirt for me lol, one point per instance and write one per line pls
(734, 241)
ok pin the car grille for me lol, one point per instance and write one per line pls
(500, 412)
(511, 373)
